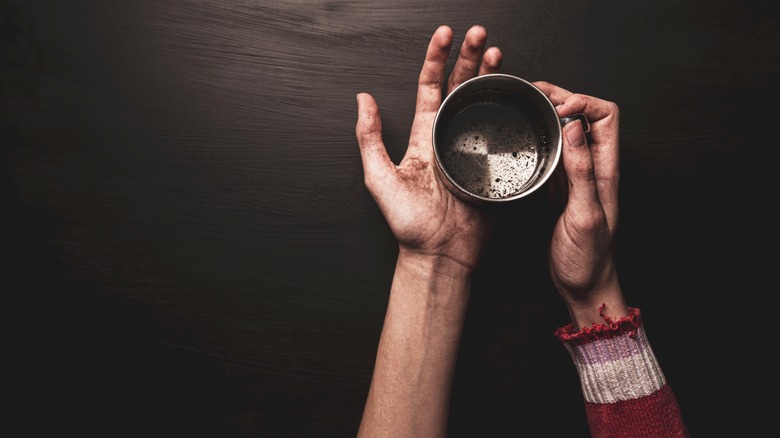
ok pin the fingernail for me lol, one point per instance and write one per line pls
(574, 133)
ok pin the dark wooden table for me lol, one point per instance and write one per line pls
(190, 249)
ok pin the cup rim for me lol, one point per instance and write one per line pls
(467, 195)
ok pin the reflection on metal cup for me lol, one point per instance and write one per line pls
(497, 138)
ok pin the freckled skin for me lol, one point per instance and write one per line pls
(421, 212)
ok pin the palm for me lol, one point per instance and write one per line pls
(422, 214)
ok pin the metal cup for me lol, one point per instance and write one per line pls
(497, 138)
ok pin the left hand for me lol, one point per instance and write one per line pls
(422, 214)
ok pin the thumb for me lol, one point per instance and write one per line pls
(376, 162)
(579, 167)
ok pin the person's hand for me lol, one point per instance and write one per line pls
(581, 256)
(440, 240)
(424, 216)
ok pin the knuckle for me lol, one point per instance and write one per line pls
(585, 171)
(577, 99)
(613, 108)
(543, 84)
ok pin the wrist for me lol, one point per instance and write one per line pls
(425, 265)
(432, 281)
(596, 306)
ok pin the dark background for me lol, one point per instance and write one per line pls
(190, 249)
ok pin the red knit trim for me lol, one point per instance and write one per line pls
(652, 416)
(626, 325)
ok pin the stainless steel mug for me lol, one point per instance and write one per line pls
(497, 138)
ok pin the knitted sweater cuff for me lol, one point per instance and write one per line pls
(614, 360)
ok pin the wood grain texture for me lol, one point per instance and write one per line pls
(192, 251)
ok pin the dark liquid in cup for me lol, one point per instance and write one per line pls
(495, 150)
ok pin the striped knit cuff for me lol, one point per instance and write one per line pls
(614, 360)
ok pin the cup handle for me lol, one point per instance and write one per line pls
(578, 116)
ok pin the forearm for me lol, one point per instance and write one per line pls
(415, 363)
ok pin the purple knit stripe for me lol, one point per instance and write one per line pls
(617, 369)
(613, 349)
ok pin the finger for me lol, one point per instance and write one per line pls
(604, 138)
(491, 61)
(469, 57)
(429, 92)
(431, 77)
(377, 165)
(554, 92)
(594, 108)
(580, 170)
